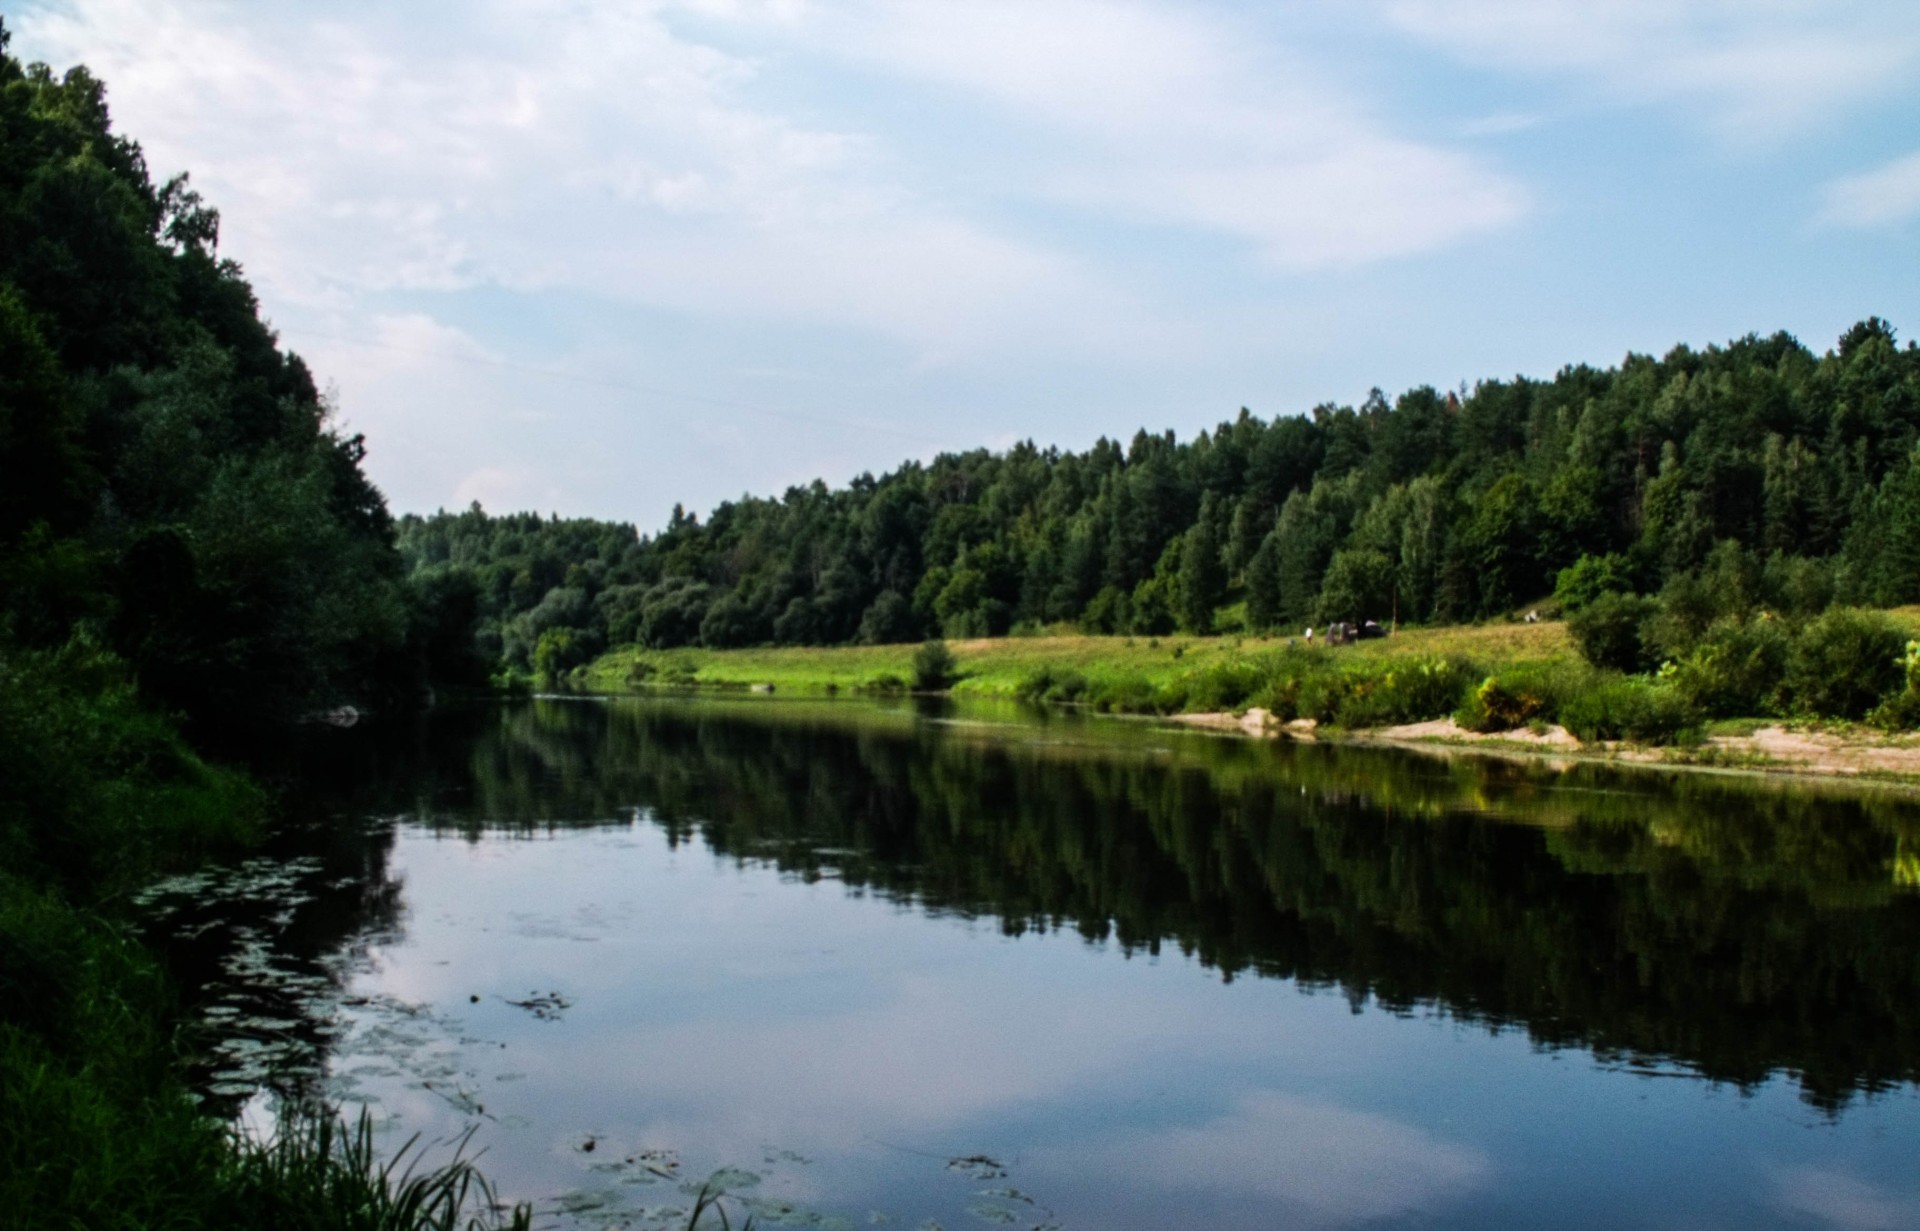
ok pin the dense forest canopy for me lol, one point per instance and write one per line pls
(1793, 468)
(171, 486)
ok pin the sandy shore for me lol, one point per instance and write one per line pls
(1778, 748)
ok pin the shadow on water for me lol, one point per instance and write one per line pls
(1740, 929)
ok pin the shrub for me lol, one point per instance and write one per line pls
(1224, 686)
(1589, 577)
(1736, 668)
(1049, 683)
(1608, 631)
(1494, 706)
(1520, 694)
(1405, 691)
(934, 668)
(1844, 662)
(1627, 708)
(1901, 711)
(1367, 694)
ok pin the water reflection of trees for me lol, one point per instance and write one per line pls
(1740, 928)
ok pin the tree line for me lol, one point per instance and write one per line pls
(1431, 507)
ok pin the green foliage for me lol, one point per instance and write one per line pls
(1844, 662)
(95, 789)
(320, 1172)
(1901, 711)
(1332, 689)
(1736, 668)
(1630, 708)
(1359, 585)
(1608, 631)
(167, 473)
(1589, 577)
(934, 667)
(1755, 474)
(1203, 575)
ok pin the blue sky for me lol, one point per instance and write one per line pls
(599, 257)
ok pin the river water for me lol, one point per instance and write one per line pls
(855, 964)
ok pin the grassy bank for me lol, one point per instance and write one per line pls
(1488, 679)
(97, 796)
(1004, 667)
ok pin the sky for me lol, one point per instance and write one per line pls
(599, 257)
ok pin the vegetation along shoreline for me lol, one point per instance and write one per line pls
(191, 552)
(1825, 696)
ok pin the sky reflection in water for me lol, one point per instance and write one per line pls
(848, 1047)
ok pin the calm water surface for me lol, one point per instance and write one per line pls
(920, 967)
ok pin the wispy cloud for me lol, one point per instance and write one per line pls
(1171, 116)
(1829, 1198)
(1753, 71)
(1881, 197)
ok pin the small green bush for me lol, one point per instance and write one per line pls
(1495, 706)
(1901, 711)
(1736, 668)
(1223, 686)
(934, 667)
(1405, 691)
(1057, 685)
(1523, 693)
(1363, 694)
(1844, 662)
(1628, 708)
(1608, 631)
(1589, 577)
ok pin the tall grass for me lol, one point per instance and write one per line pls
(319, 1173)
(97, 795)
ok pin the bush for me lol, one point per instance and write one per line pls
(1901, 712)
(1589, 577)
(1494, 706)
(1844, 662)
(1224, 686)
(1608, 631)
(1736, 668)
(934, 667)
(1368, 694)
(1627, 708)
(1053, 684)
(1517, 695)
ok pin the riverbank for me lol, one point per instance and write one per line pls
(99, 795)
(1004, 666)
(1512, 687)
(1817, 749)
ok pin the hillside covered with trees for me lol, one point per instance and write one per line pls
(1797, 468)
(186, 544)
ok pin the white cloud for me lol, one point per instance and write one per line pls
(595, 147)
(1880, 197)
(1844, 1202)
(537, 146)
(1335, 1165)
(1754, 70)
(1162, 114)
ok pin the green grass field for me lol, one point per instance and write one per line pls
(995, 667)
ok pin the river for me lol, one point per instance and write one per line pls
(858, 964)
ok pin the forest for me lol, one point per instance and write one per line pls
(189, 552)
(1793, 468)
